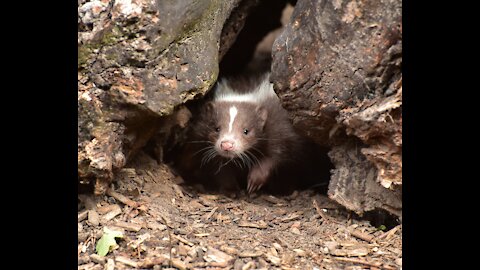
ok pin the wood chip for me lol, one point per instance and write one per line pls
(361, 261)
(179, 264)
(206, 202)
(274, 200)
(196, 205)
(300, 252)
(229, 250)
(82, 215)
(250, 254)
(156, 226)
(83, 259)
(133, 213)
(249, 265)
(178, 190)
(82, 237)
(126, 261)
(121, 198)
(210, 197)
(260, 225)
(96, 267)
(110, 265)
(98, 259)
(86, 266)
(129, 226)
(273, 251)
(295, 230)
(361, 235)
(277, 246)
(358, 251)
(173, 262)
(112, 214)
(201, 234)
(182, 250)
(262, 264)
(183, 240)
(390, 233)
(217, 258)
(140, 239)
(283, 242)
(209, 215)
(107, 208)
(149, 262)
(288, 259)
(93, 218)
(273, 259)
(292, 216)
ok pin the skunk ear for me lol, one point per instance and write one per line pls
(209, 107)
(262, 115)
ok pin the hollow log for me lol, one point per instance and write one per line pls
(337, 69)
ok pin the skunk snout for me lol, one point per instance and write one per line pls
(227, 145)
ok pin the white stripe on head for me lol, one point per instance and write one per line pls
(233, 114)
(262, 92)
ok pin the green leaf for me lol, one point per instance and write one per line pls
(382, 228)
(107, 241)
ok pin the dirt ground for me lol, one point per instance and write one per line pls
(167, 225)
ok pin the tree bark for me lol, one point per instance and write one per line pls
(138, 60)
(337, 69)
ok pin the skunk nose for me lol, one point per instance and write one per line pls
(227, 145)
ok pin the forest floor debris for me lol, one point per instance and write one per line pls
(170, 226)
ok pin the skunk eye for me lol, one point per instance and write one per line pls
(245, 131)
(217, 129)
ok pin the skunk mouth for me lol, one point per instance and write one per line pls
(227, 154)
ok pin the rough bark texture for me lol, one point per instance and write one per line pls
(138, 60)
(337, 70)
(354, 184)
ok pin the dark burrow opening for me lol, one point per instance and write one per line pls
(250, 53)
(249, 56)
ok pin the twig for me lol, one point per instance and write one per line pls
(211, 213)
(98, 259)
(389, 234)
(149, 262)
(361, 235)
(126, 261)
(129, 226)
(373, 264)
(170, 262)
(112, 214)
(250, 254)
(121, 198)
(320, 212)
(260, 225)
(83, 215)
(185, 241)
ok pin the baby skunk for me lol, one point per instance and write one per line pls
(245, 134)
